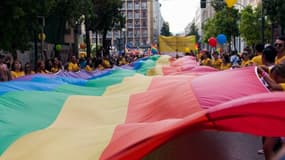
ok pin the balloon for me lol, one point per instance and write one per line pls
(82, 46)
(231, 3)
(222, 39)
(58, 47)
(42, 36)
(212, 42)
(187, 50)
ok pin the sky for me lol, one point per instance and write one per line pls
(178, 13)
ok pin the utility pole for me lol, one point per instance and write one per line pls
(262, 21)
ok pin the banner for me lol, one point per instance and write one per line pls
(176, 44)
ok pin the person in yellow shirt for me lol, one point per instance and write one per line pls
(56, 65)
(226, 62)
(41, 67)
(216, 62)
(257, 60)
(122, 61)
(268, 57)
(73, 65)
(17, 70)
(106, 63)
(89, 65)
(246, 60)
(275, 82)
(276, 78)
(206, 59)
(280, 48)
(27, 69)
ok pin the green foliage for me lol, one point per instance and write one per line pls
(218, 4)
(107, 15)
(275, 9)
(194, 31)
(224, 22)
(165, 29)
(250, 25)
(209, 30)
(20, 23)
(19, 20)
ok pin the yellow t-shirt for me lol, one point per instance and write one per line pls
(257, 60)
(122, 61)
(283, 86)
(73, 67)
(206, 61)
(246, 63)
(279, 60)
(88, 68)
(54, 69)
(217, 63)
(32, 72)
(100, 67)
(106, 63)
(225, 66)
(44, 72)
(16, 74)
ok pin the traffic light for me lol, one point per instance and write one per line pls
(203, 3)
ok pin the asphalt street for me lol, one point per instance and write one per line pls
(209, 145)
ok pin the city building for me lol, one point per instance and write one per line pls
(203, 14)
(143, 25)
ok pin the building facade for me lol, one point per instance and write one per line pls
(142, 27)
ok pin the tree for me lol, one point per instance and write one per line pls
(226, 23)
(165, 29)
(19, 22)
(194, 31)
(107, 15)
(209, 30)
(218, 4)
(250, 25)
(275, 9)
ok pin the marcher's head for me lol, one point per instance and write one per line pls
(245, 55)
(215, 54)
(17, 65)
(278, 73)
(280, 44)
(268, 55)
(259, 47)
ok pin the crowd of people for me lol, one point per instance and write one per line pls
(269, 59)
(270, 62)
(10, 71)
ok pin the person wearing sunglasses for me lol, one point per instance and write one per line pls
(280, 48)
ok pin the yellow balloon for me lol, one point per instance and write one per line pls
(42, 36)
(231, 3)
(187, 50)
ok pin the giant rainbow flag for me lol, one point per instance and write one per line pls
(127, 112)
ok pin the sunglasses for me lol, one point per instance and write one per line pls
(279, 45)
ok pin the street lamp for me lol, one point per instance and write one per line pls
(42, 36)
(124, 41)
(262, 21)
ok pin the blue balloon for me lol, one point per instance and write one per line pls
(222, 39)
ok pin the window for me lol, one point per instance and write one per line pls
(137, 15)
(130, 15)
(144, 5)
(144, 14)
(130, 5)
(130, 34)
(137, 5)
